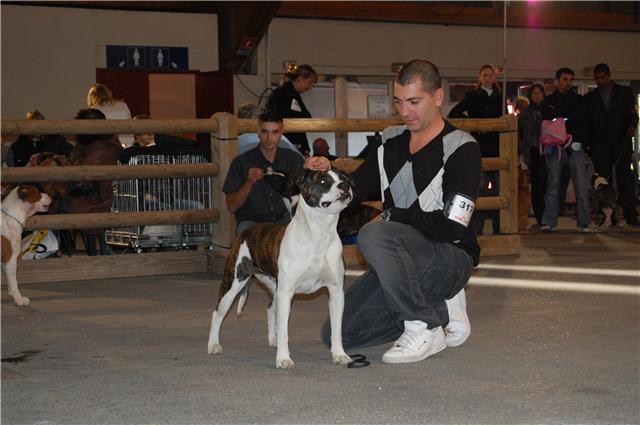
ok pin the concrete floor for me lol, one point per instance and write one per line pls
(133, 351)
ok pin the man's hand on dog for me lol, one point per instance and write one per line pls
(254, 175)
(317, 163)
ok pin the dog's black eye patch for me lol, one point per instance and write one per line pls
(314, 185)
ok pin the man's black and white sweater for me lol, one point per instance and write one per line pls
(415, 186)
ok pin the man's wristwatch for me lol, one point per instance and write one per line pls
(386, 214)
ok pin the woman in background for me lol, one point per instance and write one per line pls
(93, 196)
(286, 101)
(529, 124)
(101, 98)
(484, 102)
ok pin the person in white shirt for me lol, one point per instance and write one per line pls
(101, 98)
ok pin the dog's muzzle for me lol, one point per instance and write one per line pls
(344, 197)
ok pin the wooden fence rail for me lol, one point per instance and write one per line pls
(106, 172)
(39, 127)
(120, 219)
(224, 129)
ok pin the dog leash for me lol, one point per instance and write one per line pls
(358, 361)
(17, 221)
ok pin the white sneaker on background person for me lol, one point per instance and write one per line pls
(416, 343)
(459, 328)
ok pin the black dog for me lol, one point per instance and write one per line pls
(605, 201)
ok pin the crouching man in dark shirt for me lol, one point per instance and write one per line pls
(422, 252)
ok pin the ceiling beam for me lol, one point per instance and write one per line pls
(542, 14)
(241, 26)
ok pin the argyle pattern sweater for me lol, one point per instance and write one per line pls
(416, 186)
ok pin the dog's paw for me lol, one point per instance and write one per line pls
(272, 341)
(285, 363)
(341, 358)
(214, 349)
(21, 301)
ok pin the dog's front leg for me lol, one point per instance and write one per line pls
(10, 273)
(608, 213)
(283, 309)
(336, 307)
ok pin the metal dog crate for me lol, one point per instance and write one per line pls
(162, 194)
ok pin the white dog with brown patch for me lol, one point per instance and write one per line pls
(295, 258)
(21, 203)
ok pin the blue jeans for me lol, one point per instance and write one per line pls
(574, 160)
(409, 278)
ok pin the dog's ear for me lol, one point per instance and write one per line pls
(61, 160)
(301, 177)
(28, 193)
(345, 177)
(34, 160)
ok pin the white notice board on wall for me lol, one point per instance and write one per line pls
(378, 107)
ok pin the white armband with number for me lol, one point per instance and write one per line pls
(459, 209)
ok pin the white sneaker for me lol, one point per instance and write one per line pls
(416, 343)
(459, 328)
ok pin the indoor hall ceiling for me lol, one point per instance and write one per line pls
(243, 21)
(589, 15)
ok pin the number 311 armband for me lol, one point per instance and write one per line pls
(459, 208)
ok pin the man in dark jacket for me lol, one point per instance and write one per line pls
(565, 104)
(612, 121)
(162, 144)
(25, 146)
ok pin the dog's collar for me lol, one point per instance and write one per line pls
(17, 221)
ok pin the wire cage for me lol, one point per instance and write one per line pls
(162, 194)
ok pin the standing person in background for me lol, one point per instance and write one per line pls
(529, 124)
(101, 98)
(25, 146)
(612, 119)
(93, 196)
(563, 103)
(321, 148)
(286, 101)
(484, 102)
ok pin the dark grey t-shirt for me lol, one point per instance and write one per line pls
(263, 204)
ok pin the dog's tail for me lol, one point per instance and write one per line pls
(229, 269)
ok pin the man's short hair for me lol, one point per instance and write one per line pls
(602, 67)
(424, 70)
(248, 110)
(564, 70)
(269, 116)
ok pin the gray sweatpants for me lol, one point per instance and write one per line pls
(409, 278)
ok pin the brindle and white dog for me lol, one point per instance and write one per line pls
(21, 203)
(295, 258)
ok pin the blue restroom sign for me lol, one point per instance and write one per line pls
(148, 57)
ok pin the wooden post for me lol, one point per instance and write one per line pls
(224, 147)
(340, 92)
(509, 177)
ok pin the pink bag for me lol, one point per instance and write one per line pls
(554, 134)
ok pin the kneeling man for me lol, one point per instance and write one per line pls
(422, 252)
